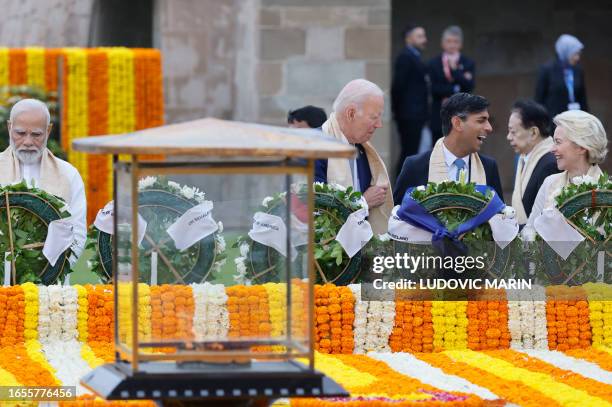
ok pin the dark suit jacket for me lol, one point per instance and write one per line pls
(547, 165)
(441, 88)
(415, 172)
(552, 92)
(363, 169)
(409, 87)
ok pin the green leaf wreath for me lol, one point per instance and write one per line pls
(31, 211)
(333, 203)
(161, 203)
(587, 205)
(453, 203)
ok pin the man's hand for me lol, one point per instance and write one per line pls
(376, 195)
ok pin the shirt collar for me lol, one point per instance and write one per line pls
(450, 158)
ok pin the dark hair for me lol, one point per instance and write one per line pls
(314, 116)
(462, 105)
(408, 29)
(533, 114)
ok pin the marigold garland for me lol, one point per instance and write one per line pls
(601, 357)
(334, 317)
(16, 360)
(35, 62)
(600, 312)
(105, 91)
(572, 379)
(413, 330)
(450, 324)
(511, 390)
(82, 313)
(12, 305)
(249, 312)
(567, 314)
(4, 67)
(488, 323)
(30, 292)
(561, 393)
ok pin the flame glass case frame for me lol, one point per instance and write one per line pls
(247, 335)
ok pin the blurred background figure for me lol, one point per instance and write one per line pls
(450, 72)
(560, 85)
(306, 117)
(529, 130)
(409, 92)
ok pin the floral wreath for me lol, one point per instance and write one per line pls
(259, 264)
(161, 202)
(32, 210)
(586, 203)
(453, 203)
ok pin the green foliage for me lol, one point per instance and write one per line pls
(29, 233)
(594, 222)
(453, 217)
(11, 95)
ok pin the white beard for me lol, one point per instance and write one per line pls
(28, 156)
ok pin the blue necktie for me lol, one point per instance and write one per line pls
(460, 164)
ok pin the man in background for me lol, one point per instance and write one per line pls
(306, 117)
(409, 92)
(450, 72)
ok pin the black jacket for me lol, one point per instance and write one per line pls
(552, 92)
(441, 88)
(415, 172)
(409, 87)
(547, 165)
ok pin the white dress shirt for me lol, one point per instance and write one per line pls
(452, 168)
(77, 205)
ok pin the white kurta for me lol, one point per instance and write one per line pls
(77, 205)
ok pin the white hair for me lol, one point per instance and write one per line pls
(586, 131)
(355, 92)
(29, 104)
(453, 31)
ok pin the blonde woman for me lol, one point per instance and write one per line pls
(580, 144)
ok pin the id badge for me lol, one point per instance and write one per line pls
(573, 106)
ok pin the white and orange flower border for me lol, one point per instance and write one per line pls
(54, 335)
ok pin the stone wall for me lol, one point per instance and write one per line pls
(308, 50)
(47, 23)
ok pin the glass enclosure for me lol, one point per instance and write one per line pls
(212, 261)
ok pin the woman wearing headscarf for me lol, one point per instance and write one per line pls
(580, 145)
(529, 130)
(560, 84)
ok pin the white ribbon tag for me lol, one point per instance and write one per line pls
(271, 231)
(405, 232)
(552, 226)
(104, 221)
(193, 226)
(60, 237)
(504, 229)
(355, 232)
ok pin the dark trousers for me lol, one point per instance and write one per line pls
(410, 139)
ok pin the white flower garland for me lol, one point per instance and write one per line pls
(65, 358)
(578, 366)
(44, 321)
(527, 319)
(211, 317)
(360, 321)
